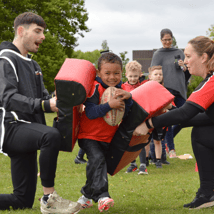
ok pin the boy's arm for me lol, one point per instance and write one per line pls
(93, 110)
(128, 105)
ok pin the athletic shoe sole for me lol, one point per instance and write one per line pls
(142, 173)
(205, 205)
(48, 212)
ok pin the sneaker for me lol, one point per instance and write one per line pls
(56, 204)
(165, 162)
(79, 160)
(158, 164)
(132, 168)
(85, 202)
(200, 201)
(172, 154)
(152, 161)
(105, 203)
(142, 170)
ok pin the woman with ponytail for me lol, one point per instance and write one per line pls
(198, 111)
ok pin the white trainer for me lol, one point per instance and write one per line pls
(85, 202)
(56, 204)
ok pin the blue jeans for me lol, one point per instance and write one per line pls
(173, 131)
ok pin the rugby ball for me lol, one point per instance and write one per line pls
(114, 116)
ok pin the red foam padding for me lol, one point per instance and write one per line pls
(152, 97)
(78, 70)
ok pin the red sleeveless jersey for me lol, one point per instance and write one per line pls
(96, 129)
(128, 87)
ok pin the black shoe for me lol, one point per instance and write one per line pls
(200, 201)
(132, 168)
(147, 162)
(158, 164)
(79, 160)
(165, 162)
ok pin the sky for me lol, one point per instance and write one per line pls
(129, 25)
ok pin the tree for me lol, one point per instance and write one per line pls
(124, 61)
(194, 82)
(104, 45)
(50, 57)
(210, 32)
(174, 42)
(90, 56)
(65, 19)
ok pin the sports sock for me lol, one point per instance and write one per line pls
(45, 198)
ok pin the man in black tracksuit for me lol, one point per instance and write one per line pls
(23, 101)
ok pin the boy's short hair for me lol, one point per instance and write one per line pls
(133, 66)
(28, 18)
(109, 58)
(155, 67)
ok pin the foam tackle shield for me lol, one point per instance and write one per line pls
(148, 101)
(73, 84)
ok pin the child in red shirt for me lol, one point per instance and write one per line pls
(134, 76)
(95, 134)
(135, 79)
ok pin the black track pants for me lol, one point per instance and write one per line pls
(96, 170)
(203, 148)
(21, 143)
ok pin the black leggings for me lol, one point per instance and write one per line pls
(21, 143)
(203, 148)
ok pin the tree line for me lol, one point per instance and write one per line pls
(66, 22)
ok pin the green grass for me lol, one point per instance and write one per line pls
(162, 191)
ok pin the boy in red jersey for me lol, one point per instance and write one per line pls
(95, 134)
(135, 79)
(134, 76)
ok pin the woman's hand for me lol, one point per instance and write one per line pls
(181, 64)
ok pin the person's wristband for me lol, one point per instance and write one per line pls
(43, 105)
(148, 125)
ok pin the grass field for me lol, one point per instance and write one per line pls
(162, 191)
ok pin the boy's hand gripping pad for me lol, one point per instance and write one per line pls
(73, 84)
(148, 100)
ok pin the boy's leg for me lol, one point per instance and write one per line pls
(142, 156)
(96, 171)
(158, 153)
(163, 156)
(79, 158)
(170, 142)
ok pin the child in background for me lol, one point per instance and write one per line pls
(79, 158)
(95, 134)
(156, 74)
(134, 76)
